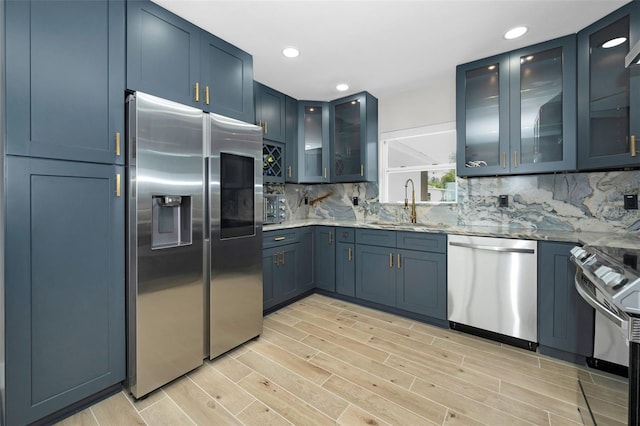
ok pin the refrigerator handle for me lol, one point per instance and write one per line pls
(207, 200)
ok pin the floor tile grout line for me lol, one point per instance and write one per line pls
(271, 409)
(331, 329)
(133, 405)
(96, 418)
(181, 409)
(154, 403)
(213, 398)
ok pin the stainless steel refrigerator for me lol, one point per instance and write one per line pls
(194, 252)
(165, 245)
(234, 163)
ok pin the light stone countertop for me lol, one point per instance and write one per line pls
(619, 240)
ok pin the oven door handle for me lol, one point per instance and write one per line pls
(597, 305)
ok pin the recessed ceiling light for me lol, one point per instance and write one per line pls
(290, 52)
(614, 42)
(342, 87)
(515, 32)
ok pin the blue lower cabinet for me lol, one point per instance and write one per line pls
(565, 320)
(421, 285)
(279, 274)
(64, 285)
(325, 257)
(305, 281)
(345, 269)
(375, 274)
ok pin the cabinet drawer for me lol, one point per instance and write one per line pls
(278, 238)
(436, 243)
(376, 237)
(345, 235)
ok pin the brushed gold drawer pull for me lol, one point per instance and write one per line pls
(197, 92)
(118, 190)
(633, 145)
(279, 238)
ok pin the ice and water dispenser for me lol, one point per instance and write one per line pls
(171, 221)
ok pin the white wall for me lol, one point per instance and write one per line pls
(434, 103)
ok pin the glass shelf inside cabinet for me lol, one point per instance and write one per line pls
(271, 161)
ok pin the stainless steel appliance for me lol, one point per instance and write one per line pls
(608, 280)
(165, 241)
(235, 206)
(492, 286)
(274, 208)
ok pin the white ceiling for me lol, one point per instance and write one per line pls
(384, 47)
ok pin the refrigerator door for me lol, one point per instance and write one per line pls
(165, 241)
(235, 215)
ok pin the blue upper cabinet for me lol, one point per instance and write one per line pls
(163, 54)
(227, 79)
(354, 138)
(291, 137)
(65, 75)
(608, 117)
(516, 112)
(270, 112)
(313, 142)
(172, 58)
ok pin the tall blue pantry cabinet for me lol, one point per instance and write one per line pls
(64, 323)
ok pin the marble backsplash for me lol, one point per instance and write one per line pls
(562, 202)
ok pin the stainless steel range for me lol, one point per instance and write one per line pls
(608, 280)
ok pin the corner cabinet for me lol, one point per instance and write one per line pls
(516, 112)
(65, 80)
(313, 142)
(64, 285)
(565, 320)
(171, 58)
(608, 113)
(354, 138)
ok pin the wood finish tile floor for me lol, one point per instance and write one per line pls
(321, 361)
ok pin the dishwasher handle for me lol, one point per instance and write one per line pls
(493, 248)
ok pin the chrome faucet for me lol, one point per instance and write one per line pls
(413, 200)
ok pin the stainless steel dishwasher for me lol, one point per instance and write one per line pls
(492, 287)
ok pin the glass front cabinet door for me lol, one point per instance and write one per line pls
(543, 107)
(482, 116)
(516, 112)
(608, 118)
(354, 138)
(313, 137)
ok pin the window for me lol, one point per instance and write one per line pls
(427, 156)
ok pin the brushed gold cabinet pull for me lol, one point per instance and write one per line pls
(399, 266)
(279, 238)
(515, 159)
(282, 253)
(277, 256)
(197, 92)
(289, 171)
(390, 260)
(206, 94)
(118, 190)
(350, 257)
(325, 173)
(633, 145)
(118, 144)
(361, 169)
(504, 160)
(260, 123)
(330, 237)
(266, 127)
